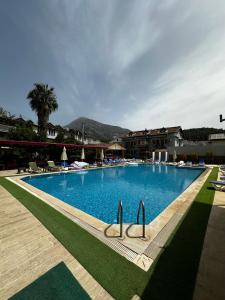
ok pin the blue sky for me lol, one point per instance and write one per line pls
(138, 64)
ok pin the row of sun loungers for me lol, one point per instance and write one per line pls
(76, 165)
(34, 168)
(219, 185)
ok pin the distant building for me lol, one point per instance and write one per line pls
(4, 129)
(116, 139)
(141, 144)
(52, 130)
(217, 137)
(212, 151)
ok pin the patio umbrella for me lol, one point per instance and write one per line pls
(116, 147)
(82, 154)
(64, 155)
(102, 154)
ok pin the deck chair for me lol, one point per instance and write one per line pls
(52, 166)
(218, 185)
(33, 168)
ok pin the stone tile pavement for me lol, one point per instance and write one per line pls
(28, 250)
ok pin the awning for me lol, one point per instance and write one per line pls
(48, 144)
(116, 147)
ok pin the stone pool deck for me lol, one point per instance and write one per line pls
(28, 250)
(211, 274)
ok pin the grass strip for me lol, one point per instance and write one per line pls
(173, 274)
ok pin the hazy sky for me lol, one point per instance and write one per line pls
(138, 64)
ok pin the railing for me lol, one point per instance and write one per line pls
(141, 207)
(120, 217)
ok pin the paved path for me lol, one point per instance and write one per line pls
(28, 250)
(210, 282)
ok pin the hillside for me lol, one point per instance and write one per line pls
(97, 130)
(200, 134)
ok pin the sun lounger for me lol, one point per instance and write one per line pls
(33, 168)
(201, 163)
(74, 166)
(81, 164)
(181, 163)
(218, 185)
(52, 166)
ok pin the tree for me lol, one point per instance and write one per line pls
(43, 101)
(5, 114)
(22, 133)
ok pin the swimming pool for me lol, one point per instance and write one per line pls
(97, 192)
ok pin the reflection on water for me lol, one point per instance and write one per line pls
(160, 169)
(166, 169)
(153, 168)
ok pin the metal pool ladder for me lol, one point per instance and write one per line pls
(141, 208)
(120, 217)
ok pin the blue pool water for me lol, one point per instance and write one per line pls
(97, 192)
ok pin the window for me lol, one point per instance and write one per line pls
(51, 132)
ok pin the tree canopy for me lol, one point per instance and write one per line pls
(200, 134)
(22, 133)
(43, 101)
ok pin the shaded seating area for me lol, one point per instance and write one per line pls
(37, 157)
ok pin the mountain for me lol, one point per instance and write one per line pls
(200, 134)
(97, 130)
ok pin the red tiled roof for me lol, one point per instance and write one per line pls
(152, 132)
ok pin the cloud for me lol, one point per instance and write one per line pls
(190, 93)
(132, 63)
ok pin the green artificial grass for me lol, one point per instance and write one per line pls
(58, 284)
(172, 276)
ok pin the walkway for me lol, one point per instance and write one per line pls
(28, 250)
(211, 273)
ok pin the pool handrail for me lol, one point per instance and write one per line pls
(120, 217)
(141, 207)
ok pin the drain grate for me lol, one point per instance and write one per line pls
(111, 242)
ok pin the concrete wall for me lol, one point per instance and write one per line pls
(212, 152)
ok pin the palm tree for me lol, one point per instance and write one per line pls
(43, 101)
